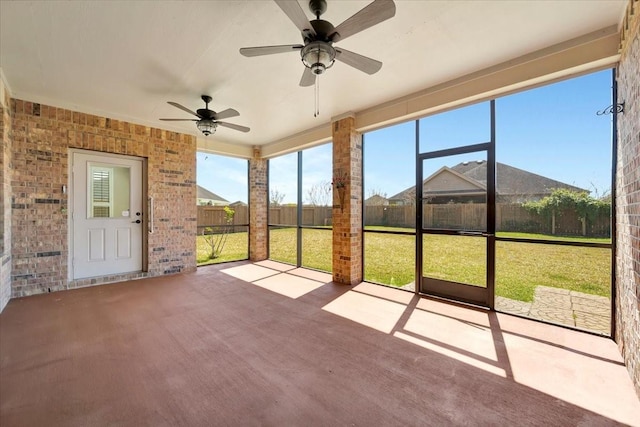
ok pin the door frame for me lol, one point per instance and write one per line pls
(446, 289)
(71, 192)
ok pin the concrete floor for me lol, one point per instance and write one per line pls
(267, 344)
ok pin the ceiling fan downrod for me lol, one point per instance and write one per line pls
(318, 7)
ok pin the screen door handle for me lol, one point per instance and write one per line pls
(475, 233)
(470, 233)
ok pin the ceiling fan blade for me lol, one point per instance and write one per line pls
(269, 50)
(235, 127)
(175, 104)
(180, 120)
(374, 13)
(292, 9)
(228, 113)
(308, 78)
(362, 63)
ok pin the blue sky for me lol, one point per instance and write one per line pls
(552, 131)
(225, 176)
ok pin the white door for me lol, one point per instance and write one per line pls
(106, 214)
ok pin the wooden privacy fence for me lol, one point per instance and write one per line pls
(209, 216)
(282, 215)
(311, 215)
(509, 217)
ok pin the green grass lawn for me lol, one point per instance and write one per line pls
(389, 259)
(235, 248)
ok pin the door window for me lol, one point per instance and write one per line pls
(109, 191)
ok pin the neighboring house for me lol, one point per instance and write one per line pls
(466, 183)
(376, 200)
(207, 198)
(237, 203)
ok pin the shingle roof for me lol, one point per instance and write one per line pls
(376, 200)
(203, 193)
(510, 180)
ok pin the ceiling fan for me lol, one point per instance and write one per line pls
(318, 53)
(208, 120)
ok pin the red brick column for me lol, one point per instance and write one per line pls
(5, 203)
(628, 197)
(258, 230)
(347, 207)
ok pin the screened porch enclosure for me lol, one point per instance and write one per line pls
(553, 266)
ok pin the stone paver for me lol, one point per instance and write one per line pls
(594, 323)
(571, 308)
(513, 306)
(593, 309)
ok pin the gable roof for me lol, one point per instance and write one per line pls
(510, 180)
(376, 200)
(203, 193)
(445, 178)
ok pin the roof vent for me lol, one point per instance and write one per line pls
(465, 163)
(479, 162)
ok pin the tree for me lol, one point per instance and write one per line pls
(377, 192)
(409, 198)
(276, 197)
(320, 194)
(586, 207)
(216, 241)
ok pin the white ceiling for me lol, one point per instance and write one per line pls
(126, 59)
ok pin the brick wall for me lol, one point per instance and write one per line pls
(5, 206)
(258, 225)
(628, 197)
(41, 139)
(347, 208)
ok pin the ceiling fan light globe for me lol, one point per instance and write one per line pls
(318, 69)
(207, 126)
(318, 56)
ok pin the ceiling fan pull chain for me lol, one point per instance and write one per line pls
(317, 97)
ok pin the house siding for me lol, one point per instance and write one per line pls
(627, 301)
(41, 139)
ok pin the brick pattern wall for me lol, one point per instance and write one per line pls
(5, 207)
(258, 201)
(628, 198)
(347, 208)
(41, 139)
